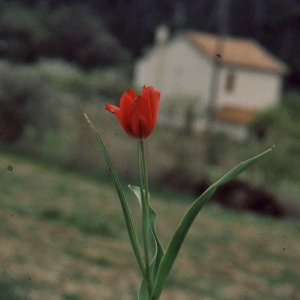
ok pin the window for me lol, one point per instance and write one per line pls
(230, 81)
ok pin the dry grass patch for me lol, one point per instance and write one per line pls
(64, 236)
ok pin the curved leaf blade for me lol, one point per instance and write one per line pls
(186, 222)
(124, 205)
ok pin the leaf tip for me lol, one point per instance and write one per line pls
(86, 117)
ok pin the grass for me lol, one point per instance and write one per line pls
(12, 290)
(63, 234)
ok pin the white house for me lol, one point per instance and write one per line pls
(194, 69)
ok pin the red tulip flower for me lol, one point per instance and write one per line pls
(137, 113)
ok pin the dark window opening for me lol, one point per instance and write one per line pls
(230, 81)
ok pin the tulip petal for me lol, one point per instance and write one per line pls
(154, 97)
(111, 108)
(127, 98)
(142, 123)
(124, 115)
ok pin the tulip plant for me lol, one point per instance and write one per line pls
(137, 115)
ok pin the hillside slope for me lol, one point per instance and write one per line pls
(62, 237)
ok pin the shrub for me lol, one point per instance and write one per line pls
(24, 100)
(282, 127)
(22, 34)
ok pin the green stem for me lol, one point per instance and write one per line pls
(145, 211)
(145, 172)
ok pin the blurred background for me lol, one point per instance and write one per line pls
(59, 59)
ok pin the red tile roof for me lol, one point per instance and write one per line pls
(234, 114)
(237, 51)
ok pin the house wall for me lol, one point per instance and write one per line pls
(186, 71)
(182, 74)
(251, 88)
(149, 69)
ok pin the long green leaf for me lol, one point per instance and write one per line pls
(124, 205)
(155, 243)
(182, 230)
(143, 291)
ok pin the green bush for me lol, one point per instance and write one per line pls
(23, 35)
(24, 100)
(282, 128)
